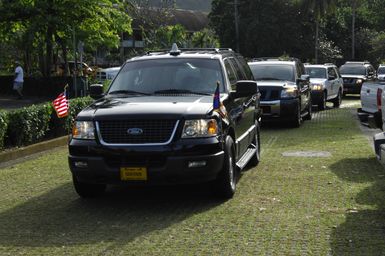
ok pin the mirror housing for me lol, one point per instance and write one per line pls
(96, 91)
(332, 77)
(245, 88)
(305, 78)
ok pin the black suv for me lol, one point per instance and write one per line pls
(285, 89)
(179, 116)
(354, 74)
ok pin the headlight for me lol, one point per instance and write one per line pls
(359, 81)
(83, 130)
(290, 92)
(316, 87)
(200, 128)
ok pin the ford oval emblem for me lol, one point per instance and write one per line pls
(135, 131)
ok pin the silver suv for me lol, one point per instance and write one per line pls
(381, 72)
(326, 84)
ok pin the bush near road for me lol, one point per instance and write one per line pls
(286, 206)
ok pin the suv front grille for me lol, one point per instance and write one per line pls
(152, 131)
(270, 92)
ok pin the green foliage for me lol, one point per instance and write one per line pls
(205, 38)
(28, 125)
(3, 127)
(165, 36)
(76, 105)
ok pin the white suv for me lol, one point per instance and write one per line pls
(326, 84)
(381, 72)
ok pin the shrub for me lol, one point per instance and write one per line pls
(3, 127)
(76, 105)
(29, 124)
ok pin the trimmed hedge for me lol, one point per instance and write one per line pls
(35, 123)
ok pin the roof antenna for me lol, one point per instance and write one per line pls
(174, 50)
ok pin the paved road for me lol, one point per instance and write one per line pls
(8, 102)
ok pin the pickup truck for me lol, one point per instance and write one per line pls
(371, 103)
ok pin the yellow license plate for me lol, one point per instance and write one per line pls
(133, 173)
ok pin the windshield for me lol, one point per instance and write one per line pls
(316, 72)
(177, 75)
(353, 70)
(381, 71)
(273, 72)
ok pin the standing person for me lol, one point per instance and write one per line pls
(19, 79)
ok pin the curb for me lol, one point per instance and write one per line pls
(33, 149)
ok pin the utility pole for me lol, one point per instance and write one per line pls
(236, 17)
(354, 6)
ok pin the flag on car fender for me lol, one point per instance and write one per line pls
(217, 104)
(60, 104)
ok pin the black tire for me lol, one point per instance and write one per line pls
(88, 190)
(254, 161)
(297, 119)
(337, 101)
(322, 103)
(225, 183)
(309, 111)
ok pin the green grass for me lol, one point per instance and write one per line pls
(285, 206)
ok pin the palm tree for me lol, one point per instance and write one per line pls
(318, 8)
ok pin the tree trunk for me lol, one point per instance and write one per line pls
(49, 51)
(353, 29)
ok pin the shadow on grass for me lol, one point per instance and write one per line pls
(60, 218)
(363, 232)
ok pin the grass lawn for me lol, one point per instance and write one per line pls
(285, 206)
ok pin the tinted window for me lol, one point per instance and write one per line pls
(148, 76)
(353, 70)
(381, 70)
(273, 72)
(238, 70)
(316, 72)
(230, 73)
(246, 68)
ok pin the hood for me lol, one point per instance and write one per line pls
(318, 80)
(275, 83)
(166, 107)
(353, 76)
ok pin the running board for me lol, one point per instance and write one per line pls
(246, 157)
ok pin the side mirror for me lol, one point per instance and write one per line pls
(96, 91)
(245, 88)
(332, 77)
(305, 78)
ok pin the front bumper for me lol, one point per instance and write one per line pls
(352, 88)
(279, 109)
(165, 164)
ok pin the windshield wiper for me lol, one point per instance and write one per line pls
(182, 91)
(128, 92)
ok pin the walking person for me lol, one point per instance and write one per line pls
(19, 80)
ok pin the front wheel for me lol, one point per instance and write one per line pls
(297, 119)
(309, 111)
(88, 190)
(337, 101)
(225, 184)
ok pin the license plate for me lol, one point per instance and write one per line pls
(133, 173)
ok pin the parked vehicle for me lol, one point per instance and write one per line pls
(285, 90)
(159, 123)
(106, 74)
(381, 72)
(326, 85)
(371, 102)
(354, 74)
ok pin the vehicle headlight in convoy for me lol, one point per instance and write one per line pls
(316, 87)
(289, 92)
(84, 130)
(359, 81)
(200, 128)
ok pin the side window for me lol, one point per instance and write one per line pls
(238, 70)
(230, 72)
(246, 68)
(331, 73)
(337, 72)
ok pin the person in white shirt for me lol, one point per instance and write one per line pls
(19, 79)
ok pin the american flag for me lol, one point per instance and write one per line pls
(60, 104)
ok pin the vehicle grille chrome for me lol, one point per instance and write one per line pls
(270, 93)
(158, 132)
